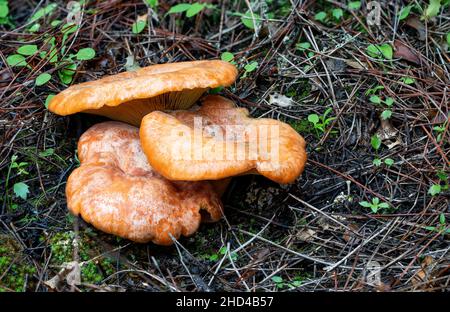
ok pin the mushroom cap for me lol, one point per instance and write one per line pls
(231, 143)
(118, 192)
(129, 96)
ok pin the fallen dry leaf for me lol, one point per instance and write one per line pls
(414, 22)
(280, 100)
(306, 234)
(70, 272)
(388, 134)
(424, 275)
(405, 52)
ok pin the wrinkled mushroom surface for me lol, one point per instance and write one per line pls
(129, 96)
(231, 143)
(117, 191)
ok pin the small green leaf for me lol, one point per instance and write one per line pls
(227, 56)
(21, 190)
(214, 257)
(389, 101)
(434, 189)
(354, 5)
(44, 11)
(69, 70)
(442, 219)
(179, 8)
(250, 22)
(374, 90)
(375, 201)
(404, 12)
(407, 80)
(383, 205)
(65, 79)
(432, 9)
(42, 79)
(377, 51)
(215, 90)
(373, 51)
(377, 162)
(389, 162)
(337, 13)
(375, 99)
(277, 279)
(321, 16)
(375, 141)
(386, 50)
(195, 9)
(69, 28)
(152, 3)
(138, 26)
(34, 28)
(16, 60)
(301, 46)
(223, 250)
(365, 204)
(47, 152)
(28, 49)
(313, 118)
(4, 10)
(448, 38)
(251, 67)
(48, 99)
(85, 54)
(386, 114)
(55, 23)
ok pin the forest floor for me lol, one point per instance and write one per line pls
(371, 212)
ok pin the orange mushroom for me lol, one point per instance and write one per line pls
(118, 192)
(218, 141)
(129, 96)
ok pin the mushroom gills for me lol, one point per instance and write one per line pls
(133, 111)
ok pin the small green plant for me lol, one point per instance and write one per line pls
(4, 13)
(374, 90)
(337, 13)
(222, 251)
(139, 25)
(376, 99)
(375, 205)
(19, 166)
(380, 51)
(304, 47)
(228, 57)
(191, 9)
(432, 10)
(21, 190)
(250, 20)
(249, 68)
(280, 283)
(441, 227)
(152, 3)
(442, 185)
(387, 161)
(407, 80)
(321, 123)
(354, 5)
(320, 16)
(404, 12)
(440, 130)
(375, 141)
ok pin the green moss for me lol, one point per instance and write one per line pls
(14, 268)
(93, 272)
(302, 126)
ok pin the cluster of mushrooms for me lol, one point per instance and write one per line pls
(130, 183)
